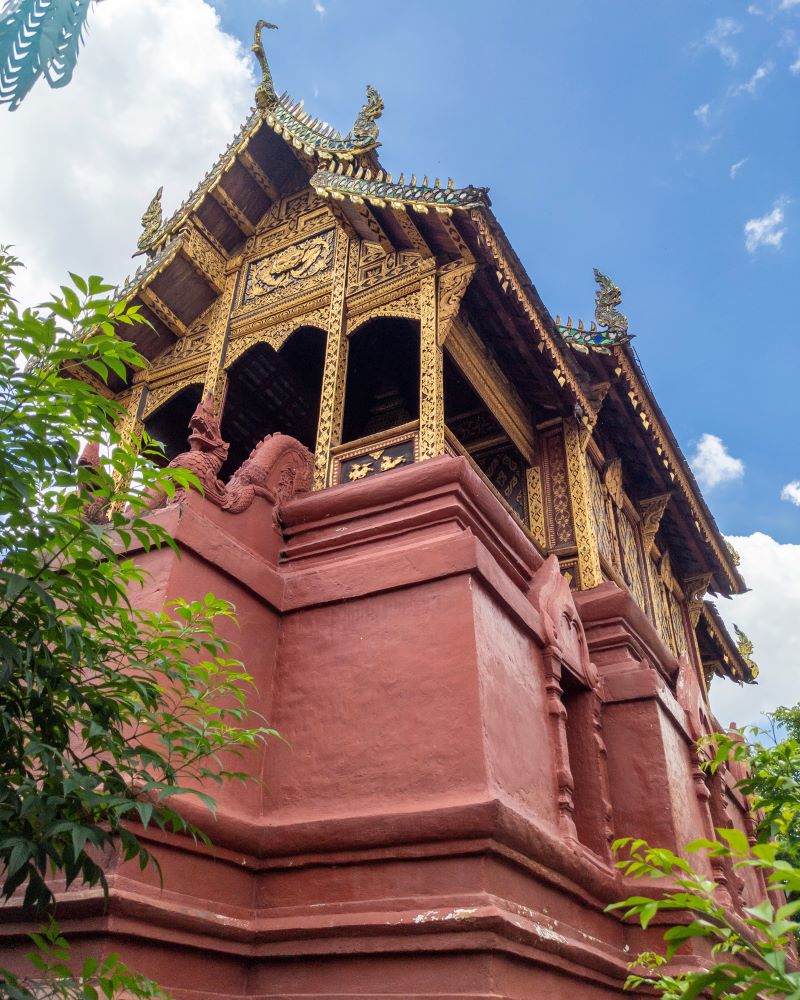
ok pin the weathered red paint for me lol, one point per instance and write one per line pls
(465, 736)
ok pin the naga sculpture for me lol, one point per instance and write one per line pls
(606, 315)
(365, 130)
(607, 297)
(205, 457)
(151, 225)
(265, 92)
(278, 468)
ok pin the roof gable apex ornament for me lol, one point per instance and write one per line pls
(609, 327)
(151, 225)
(265, 92)
(364, 132)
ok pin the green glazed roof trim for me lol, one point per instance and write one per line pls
(382, 191)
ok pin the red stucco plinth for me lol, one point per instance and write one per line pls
(464, 738)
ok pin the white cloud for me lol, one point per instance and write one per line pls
(751, 86)
(788, 4)
(712, 464)
(795, 67)
(736, 167)
(158, 92)
(791, 492)
(769, 614)
(766, 231)
(702, 114)
(718, 37)
(319, 8)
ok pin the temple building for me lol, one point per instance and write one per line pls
(474, 577)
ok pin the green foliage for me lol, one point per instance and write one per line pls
(107, 712)
(57, 978)
(772, 756)
(38, 38)
(750, 955)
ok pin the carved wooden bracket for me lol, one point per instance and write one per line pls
(695, 588)
(651, 512)
(453, 283)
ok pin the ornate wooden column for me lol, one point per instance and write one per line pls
(331, 406)
(575, 440)
(536, 522)
(219, 325)
(431, 368)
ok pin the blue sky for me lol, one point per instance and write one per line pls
(608, 132)
(587, 120)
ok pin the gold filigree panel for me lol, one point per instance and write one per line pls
(536, 521)
(275, 335)
(588, 553)
(557, 497)
(375, 266)
(283, 270)
(161, 394)
(431, 372)
(603, 516)
(632, 566)
(401, 306)
(289, 220)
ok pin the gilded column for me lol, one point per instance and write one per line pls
(219, 325)
(575, 440)
(536, 507)
(431, 392)
(129, 428)
(331, 406)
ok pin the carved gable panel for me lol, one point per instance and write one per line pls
(282, 270)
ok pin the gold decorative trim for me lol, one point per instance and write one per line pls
(431, 369)
(158, 396)
(219, 325)
(651, 511)
(331, 407)
(160, 309)
(672, 464)
(275, 335)
(487, 379)
(204, 257)
(376, 443)
(695, 588)
(536, 507)
(454, 280)
(591, 574)
(510, 283)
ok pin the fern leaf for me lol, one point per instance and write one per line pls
(38, 38)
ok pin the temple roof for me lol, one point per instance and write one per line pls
(281, 148)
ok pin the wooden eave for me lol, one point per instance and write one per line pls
(718, 649)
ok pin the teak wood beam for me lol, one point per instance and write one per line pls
(157, 306)
(259, 176)
(232, 210)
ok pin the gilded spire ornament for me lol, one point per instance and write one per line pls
(609, 326)
(745, 647)
(265, 92)
(151, 225)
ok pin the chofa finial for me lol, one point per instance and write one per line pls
(151, 224)
(607, 297)
(265, 92)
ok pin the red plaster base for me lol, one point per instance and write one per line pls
(437, 825)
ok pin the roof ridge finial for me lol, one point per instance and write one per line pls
(607, 297)
(151, 224)
(265, 92)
